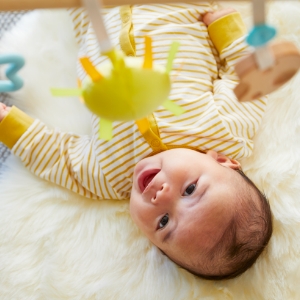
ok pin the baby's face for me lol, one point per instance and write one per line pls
(180, 195)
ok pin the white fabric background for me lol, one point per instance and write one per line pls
(55, 244)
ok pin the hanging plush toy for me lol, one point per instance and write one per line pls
(125, 88)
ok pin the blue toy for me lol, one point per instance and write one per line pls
(15, 63)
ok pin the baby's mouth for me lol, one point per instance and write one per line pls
(146, 177)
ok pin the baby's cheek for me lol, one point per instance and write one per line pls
(140, 215)
(134, 207)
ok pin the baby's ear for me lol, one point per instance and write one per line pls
(224, 160)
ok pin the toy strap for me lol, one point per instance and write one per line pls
(258, 12)
(93, 8)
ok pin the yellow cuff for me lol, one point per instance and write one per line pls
(226, 30)
(13, 126)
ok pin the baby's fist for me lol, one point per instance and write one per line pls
(3, 111)
(210, 17)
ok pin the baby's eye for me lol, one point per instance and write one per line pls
(189, 190)
(163, 221)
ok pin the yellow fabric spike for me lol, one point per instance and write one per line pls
(90, 69)
(65, 92)
(173, 107)
(148, 53)
(105, 129)
(172, 53)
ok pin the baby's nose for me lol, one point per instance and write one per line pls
(162, 195)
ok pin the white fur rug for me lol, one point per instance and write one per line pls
(55, 244)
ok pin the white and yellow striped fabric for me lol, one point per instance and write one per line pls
(202, 83)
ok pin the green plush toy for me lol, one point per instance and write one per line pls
(125, 88)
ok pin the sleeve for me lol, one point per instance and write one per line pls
(242, 119)
(13, 126)
(66, 159)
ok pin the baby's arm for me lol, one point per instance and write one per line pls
(66, 159)
(227, 32)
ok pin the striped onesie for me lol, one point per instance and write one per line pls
(203, 79)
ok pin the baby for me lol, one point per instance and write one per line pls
(187, 192)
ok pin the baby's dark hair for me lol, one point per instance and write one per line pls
(244, 239)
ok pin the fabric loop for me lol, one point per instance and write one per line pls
(126, 38)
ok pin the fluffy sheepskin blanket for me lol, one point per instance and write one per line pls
(58, 245)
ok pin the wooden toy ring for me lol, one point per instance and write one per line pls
(255, 83)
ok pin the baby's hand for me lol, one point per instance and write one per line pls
(210, 17)
(3, 111)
